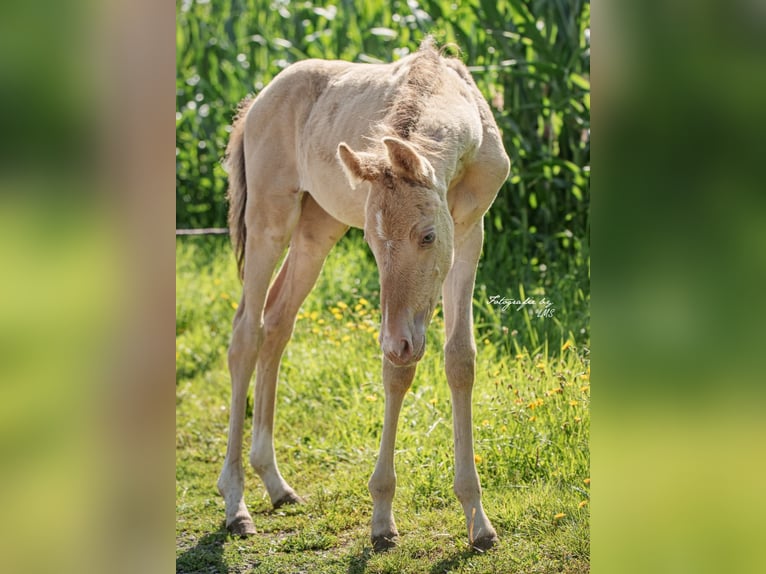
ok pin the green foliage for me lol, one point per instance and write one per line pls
(530, 59)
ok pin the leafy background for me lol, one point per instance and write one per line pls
(532, 398)
(531, 59)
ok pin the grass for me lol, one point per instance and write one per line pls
(531, 419)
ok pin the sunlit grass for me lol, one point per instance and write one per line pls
(531, 429)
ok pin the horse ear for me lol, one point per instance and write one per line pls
(357, 166)
(407, 162)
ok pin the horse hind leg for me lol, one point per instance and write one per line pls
(314, 237)
(265, 244)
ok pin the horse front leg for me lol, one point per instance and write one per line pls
(460, 358)
(382, 484)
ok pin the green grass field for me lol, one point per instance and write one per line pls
(531, 419)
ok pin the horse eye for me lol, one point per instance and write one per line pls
(428, 238)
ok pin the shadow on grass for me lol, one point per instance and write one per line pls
(206, 555)
(453, 562)
(358, 563)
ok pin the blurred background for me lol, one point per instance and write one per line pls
(88, 95)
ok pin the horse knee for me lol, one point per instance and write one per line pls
(459, 363)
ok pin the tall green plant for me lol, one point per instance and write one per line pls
(530, 58)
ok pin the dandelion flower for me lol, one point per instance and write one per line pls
(342, 305)
(485, 423)
(225, 296)
(559, 516)
(566, 345)
(582, 503)
(433, 401)
(586, 481)
(532, 419)
(371, 398)
(234, 304)
(477, 458)
(572, 403)
(363, 301)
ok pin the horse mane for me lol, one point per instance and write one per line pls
(424, 79)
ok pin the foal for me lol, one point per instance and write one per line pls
(409, 152)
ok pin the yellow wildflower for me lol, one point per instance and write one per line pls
(363, 301)
(572, 403)
(371, 398)
(532, 419)
(583, 503)
(559, 516)
(566, 345)
(477, 458)
(342, 305)
(234, 304)
(586, 481)
(485, 423)
(225, 296)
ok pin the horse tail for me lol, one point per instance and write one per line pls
(237, 193)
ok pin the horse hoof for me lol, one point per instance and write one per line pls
(241, 526)
(485, 542)
(382, 543)
(289, 498)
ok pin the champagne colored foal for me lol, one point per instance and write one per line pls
(410, 153)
